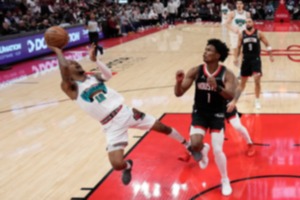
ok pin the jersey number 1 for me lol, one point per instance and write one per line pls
(208, 97)
(250, 47)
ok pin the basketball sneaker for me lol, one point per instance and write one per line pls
(187, 155)
(226, 188)
(204, 162)
(126, 177)
(257, 104)
(251, 150)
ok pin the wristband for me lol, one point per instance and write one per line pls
(269, 48)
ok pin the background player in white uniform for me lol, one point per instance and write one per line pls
(224, 12)
(236, 23)
(106, 106)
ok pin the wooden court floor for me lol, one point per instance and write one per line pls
(50, 149)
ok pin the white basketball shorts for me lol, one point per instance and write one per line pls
(116, 130)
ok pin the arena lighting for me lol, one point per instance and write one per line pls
(123, 1)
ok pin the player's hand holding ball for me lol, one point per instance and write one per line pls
(56, 36)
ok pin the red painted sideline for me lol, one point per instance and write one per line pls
(42, 65)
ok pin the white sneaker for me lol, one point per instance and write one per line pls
(204, 161)
(257, 104)
(226, 188)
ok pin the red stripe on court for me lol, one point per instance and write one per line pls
(157, 174)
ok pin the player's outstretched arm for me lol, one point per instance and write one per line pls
(183, 83)
(68, 86)
(267, 44)
(106, 73)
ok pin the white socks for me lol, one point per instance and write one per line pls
(177, 136)
(237, 125)
(220, 158)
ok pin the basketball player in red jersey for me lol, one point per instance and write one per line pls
(214, 85)
(250, 39)
(107, 107)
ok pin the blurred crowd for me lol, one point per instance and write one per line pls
(116, 19)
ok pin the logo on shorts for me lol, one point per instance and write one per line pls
(138, 115)
(219, 115)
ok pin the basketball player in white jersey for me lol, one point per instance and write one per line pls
(224, 11)
(106, 106)
(236, 23)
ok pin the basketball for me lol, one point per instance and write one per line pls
(56, 36)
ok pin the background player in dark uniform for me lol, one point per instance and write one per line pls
(214, 85)
(251, 64)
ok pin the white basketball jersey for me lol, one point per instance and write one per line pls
(224, 10)
(239, 20)
(96, 99)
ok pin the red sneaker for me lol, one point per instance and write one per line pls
(184, 157)
(251, 150)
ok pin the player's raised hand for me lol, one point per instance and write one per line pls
(212, 82)
(92, 53)
(179, 76)
(54, 49)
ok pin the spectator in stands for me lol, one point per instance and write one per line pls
(159, 9)
(33, 25)
(252, 11)
(44, 25)
(212, 13)
(260, 11)
(193, 13)
(135, 18)
(9, 18)
(203, 12)
(296, 13)
(172, 11)
(290, 6)
(185, 15)
(269, 10)
(22, 27)
(125, 24)
(153, 17)
(113, 26)
(6, 29)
